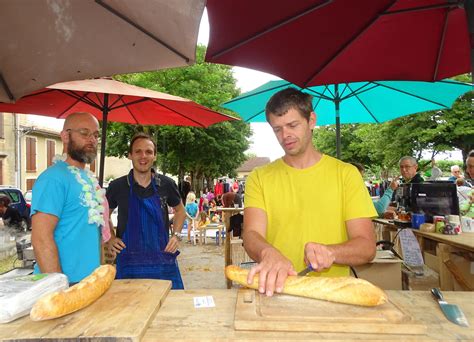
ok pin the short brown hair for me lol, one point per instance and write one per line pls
(289, 98)
(4, 201)
(141, 135)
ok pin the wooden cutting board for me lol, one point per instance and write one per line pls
(254, 311)
(122, 314)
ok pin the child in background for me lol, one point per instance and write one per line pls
(203, 220)
(205, 206)
(191, 212)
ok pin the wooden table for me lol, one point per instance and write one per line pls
(178, 320)
(449, 255)
(220, 233)
(226, 215)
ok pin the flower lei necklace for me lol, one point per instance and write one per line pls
(94, 195)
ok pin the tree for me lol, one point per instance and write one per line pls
(202, 153)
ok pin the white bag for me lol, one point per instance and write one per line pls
(19, 294)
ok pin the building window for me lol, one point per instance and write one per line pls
(2, 126)
(30, 183)
(50, 152)
(30, 154)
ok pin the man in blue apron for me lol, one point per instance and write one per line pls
(142, 243)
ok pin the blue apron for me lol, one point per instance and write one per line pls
(146, 237)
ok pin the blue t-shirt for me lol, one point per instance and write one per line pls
(192, 209)
(58, 193)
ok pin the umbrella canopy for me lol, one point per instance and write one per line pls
(46, 42)
(358, 102)
(316, 42)
(110, 100)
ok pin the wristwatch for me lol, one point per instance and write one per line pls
(177, 235)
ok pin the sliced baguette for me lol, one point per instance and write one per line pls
(88, 290)
(346, 290)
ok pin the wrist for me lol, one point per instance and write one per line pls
(177, 235)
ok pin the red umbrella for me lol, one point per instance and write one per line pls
(316, 42)
(110, 100)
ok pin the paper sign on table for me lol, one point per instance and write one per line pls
(204, 302)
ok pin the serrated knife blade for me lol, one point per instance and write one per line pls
(305, 271)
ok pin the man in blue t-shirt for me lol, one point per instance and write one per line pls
(67, 205)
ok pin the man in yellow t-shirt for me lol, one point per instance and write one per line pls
(305, 208)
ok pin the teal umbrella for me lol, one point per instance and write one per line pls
(357, 102)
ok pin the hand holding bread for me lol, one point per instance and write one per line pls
(346, 290)
(79, 296)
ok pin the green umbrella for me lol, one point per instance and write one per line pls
(357, 102)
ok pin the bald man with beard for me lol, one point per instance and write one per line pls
(67, 205)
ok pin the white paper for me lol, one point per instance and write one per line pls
(204, 302)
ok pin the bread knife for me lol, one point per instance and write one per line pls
(305, 271)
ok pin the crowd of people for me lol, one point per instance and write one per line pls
(304, 209)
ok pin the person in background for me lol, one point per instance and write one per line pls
(11, 216)
(408, 170)
(203, 220)
(434, 173)
(306, 208)
(463, 190)
(383, 202)
(455, 173)
(192, 212)
(185, 187)
(67, 210)
(470, 169)
(142, 243)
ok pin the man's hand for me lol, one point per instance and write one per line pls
(394, 184)
(273, 269)
(320, 257)
(116, 245)
(172, 245)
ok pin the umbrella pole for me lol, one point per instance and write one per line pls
(105, 112)
(337, 100)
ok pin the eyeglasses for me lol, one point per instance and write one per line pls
(406, 166)
(86, 133)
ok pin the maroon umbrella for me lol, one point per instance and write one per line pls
(110, 100)
(316, 42)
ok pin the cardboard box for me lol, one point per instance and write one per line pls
(432, 261)
(385, 271)
(424, 282)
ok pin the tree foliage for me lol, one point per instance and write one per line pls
(380, 146)
(203, 153)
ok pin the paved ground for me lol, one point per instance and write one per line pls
(202, 266)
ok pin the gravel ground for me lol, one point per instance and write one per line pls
(202, 266)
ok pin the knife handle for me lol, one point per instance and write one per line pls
(437, 293)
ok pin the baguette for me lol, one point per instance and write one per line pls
(346, 290)
(84, 293)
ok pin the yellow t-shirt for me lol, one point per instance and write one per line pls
(308, 205)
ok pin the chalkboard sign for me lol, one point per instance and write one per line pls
(410, 248)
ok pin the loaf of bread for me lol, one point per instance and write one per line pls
(84, 293)
(346, 290)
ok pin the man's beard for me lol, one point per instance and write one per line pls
(80, 154)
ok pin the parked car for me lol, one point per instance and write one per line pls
(17, 201)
